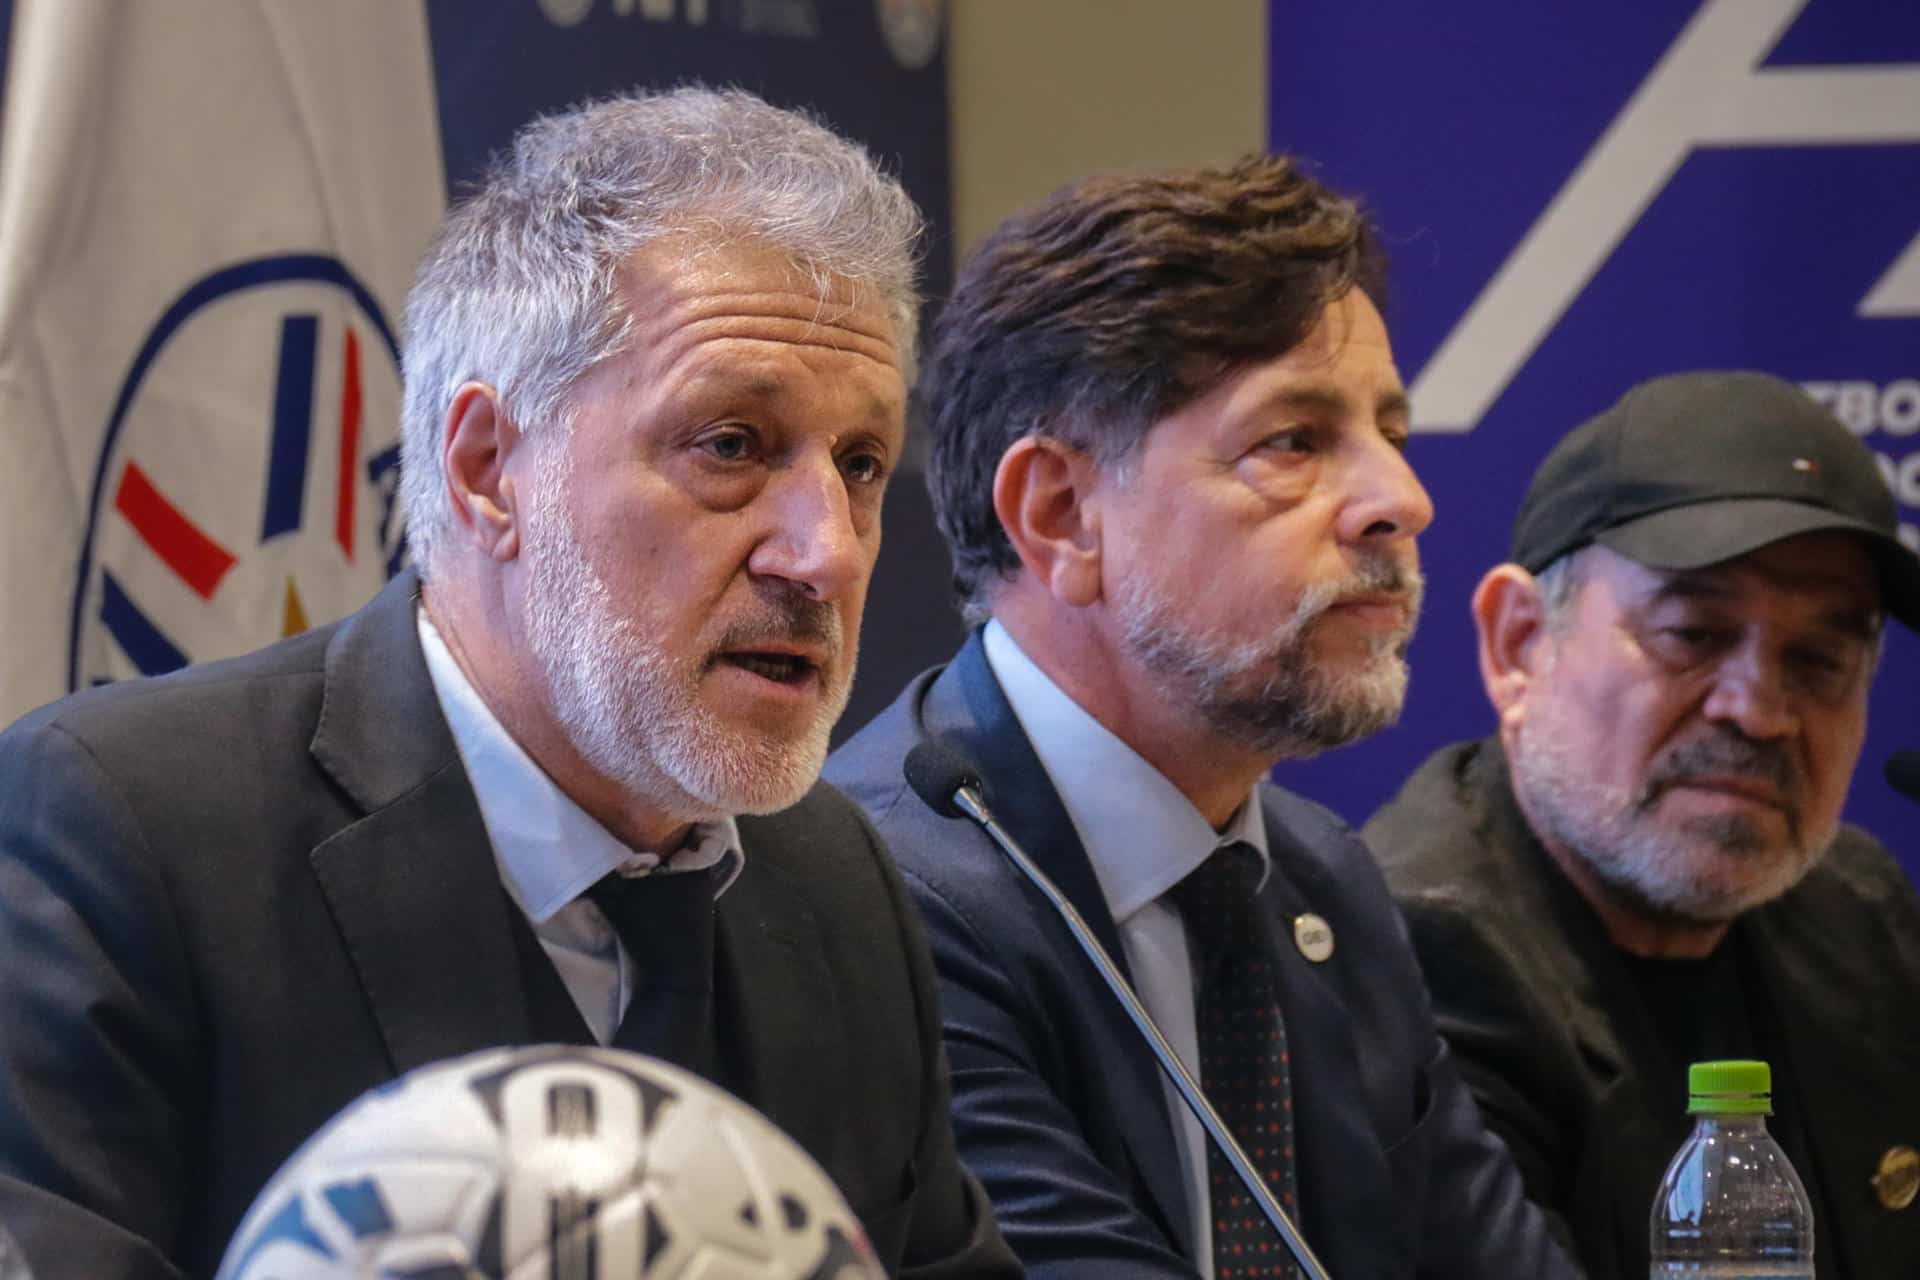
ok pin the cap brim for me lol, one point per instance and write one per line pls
(1704, 533)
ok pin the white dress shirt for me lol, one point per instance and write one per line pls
(550, 852)
(1143, 837)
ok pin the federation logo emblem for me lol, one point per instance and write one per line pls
(247, 482)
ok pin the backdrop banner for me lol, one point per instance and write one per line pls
(1578, 198)
(210, 211)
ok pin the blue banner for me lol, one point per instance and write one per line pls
(6, 30)
(1577, 198)
(873, 69)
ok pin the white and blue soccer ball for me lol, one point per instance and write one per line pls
(550, 1163)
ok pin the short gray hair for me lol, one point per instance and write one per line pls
(520, 288)
(1559, 582)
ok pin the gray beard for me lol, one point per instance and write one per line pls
(632, 710)
(1270, 697)
(1660, 871)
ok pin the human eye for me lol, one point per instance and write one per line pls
(864, 466)
(1828, 667)
(1694, 635)
(728, 445)
(1287, 443)
(1688, 640)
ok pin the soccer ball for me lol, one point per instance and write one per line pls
(550, 1163)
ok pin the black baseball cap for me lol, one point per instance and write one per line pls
(1696, 468)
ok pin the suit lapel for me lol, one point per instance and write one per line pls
(777, 1005)
(412, 886)
(1621, 1050)
(967, 705)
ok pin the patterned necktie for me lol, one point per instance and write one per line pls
(1243, 1057)
(665, 922)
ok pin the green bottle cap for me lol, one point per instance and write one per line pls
(1730, 1088)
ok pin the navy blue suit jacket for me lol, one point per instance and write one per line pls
(1058, 1106)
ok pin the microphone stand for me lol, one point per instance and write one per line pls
(967, 799)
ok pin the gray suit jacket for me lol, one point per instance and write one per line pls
(234, 898)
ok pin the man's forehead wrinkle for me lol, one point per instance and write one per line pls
(679, 275)
(753, 384)
(1316, 394)
(761, 308)
(687, 302)
(689, 345)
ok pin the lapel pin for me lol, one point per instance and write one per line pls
(1898, 1177)
(1313, 935)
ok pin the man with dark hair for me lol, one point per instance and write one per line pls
(1166, 453)
(559, 784)
(1645, 867)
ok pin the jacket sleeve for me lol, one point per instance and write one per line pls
(1495, 1040)
(98, 1061)
(952, 1234)
(1063, 1210)
(1474, 1215)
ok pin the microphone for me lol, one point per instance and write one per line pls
(951, 785)
(1903, 773)
(940, 773)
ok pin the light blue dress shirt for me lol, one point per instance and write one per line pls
(1143, 837)
(550, 851)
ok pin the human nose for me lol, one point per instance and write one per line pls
(1749, 692)
(1386, 501)
(811, 539)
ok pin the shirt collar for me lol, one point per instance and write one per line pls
(1142, 835)
(548, 848)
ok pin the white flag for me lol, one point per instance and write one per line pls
(209, 214)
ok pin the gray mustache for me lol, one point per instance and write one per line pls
(790, 618)
(1383, 574)
(1726, 751)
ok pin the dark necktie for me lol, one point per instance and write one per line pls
(1243, 1057)
(665, 922)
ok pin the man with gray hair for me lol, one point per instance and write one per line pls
(1645, 866)
(556, 783)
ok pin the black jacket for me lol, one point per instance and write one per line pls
(1554, 1040)
(235, 898)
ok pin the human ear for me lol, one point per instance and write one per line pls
(1042, 493)
(1509, 617)
(479, 440)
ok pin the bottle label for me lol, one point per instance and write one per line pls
(1732, 1271)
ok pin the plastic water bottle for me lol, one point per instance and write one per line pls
(1730, 1206)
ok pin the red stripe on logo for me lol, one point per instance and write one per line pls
(349, 446)
(197, 559)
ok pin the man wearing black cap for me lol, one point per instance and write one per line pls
(1646, 867)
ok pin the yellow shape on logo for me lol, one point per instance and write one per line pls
(294, 620)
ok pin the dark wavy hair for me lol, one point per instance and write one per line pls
(1110, 305)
